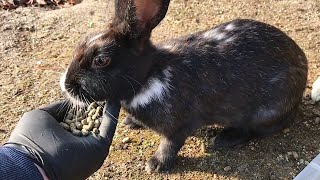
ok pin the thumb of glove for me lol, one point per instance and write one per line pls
(109, 120)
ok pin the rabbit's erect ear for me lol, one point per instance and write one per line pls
(149, 13)
(137, 18)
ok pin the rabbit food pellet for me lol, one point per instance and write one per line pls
(81, 122)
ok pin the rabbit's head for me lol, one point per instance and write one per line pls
(113, 63)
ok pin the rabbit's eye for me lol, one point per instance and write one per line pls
(100, 62)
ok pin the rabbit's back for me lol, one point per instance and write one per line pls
(241, 41)
(239, 71)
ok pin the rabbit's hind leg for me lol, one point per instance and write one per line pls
(262, 125)
(231, 137)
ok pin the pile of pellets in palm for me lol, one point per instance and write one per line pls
(83, 121)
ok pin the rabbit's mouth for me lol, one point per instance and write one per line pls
(76, 95)
(76, 100)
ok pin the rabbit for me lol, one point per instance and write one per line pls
(244, 75)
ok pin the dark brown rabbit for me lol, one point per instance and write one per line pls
(244, 75)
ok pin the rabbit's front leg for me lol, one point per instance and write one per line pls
(165, 156)
(170, 144)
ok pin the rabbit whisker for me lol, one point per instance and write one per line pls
(134, 92)
(133, 79)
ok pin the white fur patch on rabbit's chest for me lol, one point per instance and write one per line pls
(155, 90)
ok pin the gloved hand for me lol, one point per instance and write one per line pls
(61, 154)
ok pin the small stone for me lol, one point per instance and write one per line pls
(307, 97)
(90, 24)
(60, 36)
(228, 168)
(317, 120)
(7, 27)
(313, 102)
(316, 112)
(286, 130)
(301, 161)
(32, 29)
(20, 28)
(295, 155)
(126, 140)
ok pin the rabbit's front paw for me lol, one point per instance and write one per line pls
(156, 165)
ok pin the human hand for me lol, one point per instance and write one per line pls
(61, 154)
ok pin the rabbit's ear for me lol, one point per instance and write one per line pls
(137, 18)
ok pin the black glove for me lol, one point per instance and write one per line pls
(61, 154)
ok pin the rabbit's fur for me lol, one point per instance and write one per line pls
(245, 75)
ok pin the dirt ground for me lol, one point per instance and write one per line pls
(36, 44)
